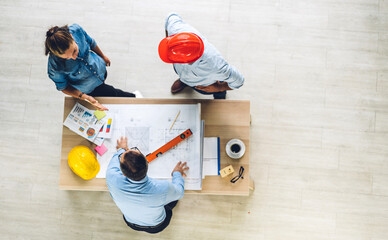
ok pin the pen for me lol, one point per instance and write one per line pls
(94, 104)
(175, 119)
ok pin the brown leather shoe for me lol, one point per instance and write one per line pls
(177, 86)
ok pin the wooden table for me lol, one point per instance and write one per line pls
(226, 119)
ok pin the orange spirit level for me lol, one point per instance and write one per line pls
(169, 145)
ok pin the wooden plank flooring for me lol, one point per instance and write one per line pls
(317, 77)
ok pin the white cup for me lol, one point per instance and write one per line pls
(235, 149)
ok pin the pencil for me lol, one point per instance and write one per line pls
(88, 101)
(175, 119)
(94, 104)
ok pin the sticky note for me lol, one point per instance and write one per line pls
(101, 149)
(99, 114)
(108, 125)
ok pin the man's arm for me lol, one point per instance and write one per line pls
(113, 170)
(215, 87)
(174, 24)
(114, 164)
(234, 80)
(177, 186)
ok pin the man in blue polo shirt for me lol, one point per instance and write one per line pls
(146, 203)
(77, 65)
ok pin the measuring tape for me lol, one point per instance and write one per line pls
(169, 145)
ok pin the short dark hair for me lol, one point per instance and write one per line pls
(58, 40)
(134, 166)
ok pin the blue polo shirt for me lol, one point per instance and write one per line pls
(85, 73)
(142, 202)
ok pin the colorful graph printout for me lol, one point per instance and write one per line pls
(82, 121)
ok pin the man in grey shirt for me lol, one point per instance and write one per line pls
(210, 73)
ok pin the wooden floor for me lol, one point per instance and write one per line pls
(317, 77)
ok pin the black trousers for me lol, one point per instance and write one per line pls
(216, 95)
(158, 228)
(105, 90)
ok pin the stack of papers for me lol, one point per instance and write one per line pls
(211, 156)
(148, 127)
(85, 123)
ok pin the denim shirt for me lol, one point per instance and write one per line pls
(210, 67)
(142, 202)
(85, 73)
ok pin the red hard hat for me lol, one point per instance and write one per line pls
(181, 48)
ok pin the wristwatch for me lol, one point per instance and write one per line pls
(80, 95)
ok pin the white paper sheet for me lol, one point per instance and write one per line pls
(147, 127)
(210, 156)
(82, 121)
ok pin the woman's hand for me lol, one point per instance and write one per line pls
(106, 60)
(97, 50)
(95, 103)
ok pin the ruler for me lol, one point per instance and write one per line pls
(169, 145)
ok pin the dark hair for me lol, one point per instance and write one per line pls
(58, 40)
(134, 166)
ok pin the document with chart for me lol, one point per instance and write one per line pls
(150, 126)
(82, 121)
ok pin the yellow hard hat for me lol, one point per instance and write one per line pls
(83, 162)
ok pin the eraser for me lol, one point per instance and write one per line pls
(101, 149)
(226, 171)
(99, 114)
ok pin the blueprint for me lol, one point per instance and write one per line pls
(139, 137)
(148, 127)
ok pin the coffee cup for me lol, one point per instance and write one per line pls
(235, 149)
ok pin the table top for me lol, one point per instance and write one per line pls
(226, 119)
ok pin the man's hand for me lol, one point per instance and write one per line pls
(106, 60)
(215, 87)
(95, 103)
(122, 143)
(180, 167)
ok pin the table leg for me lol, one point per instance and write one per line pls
(251, 184)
